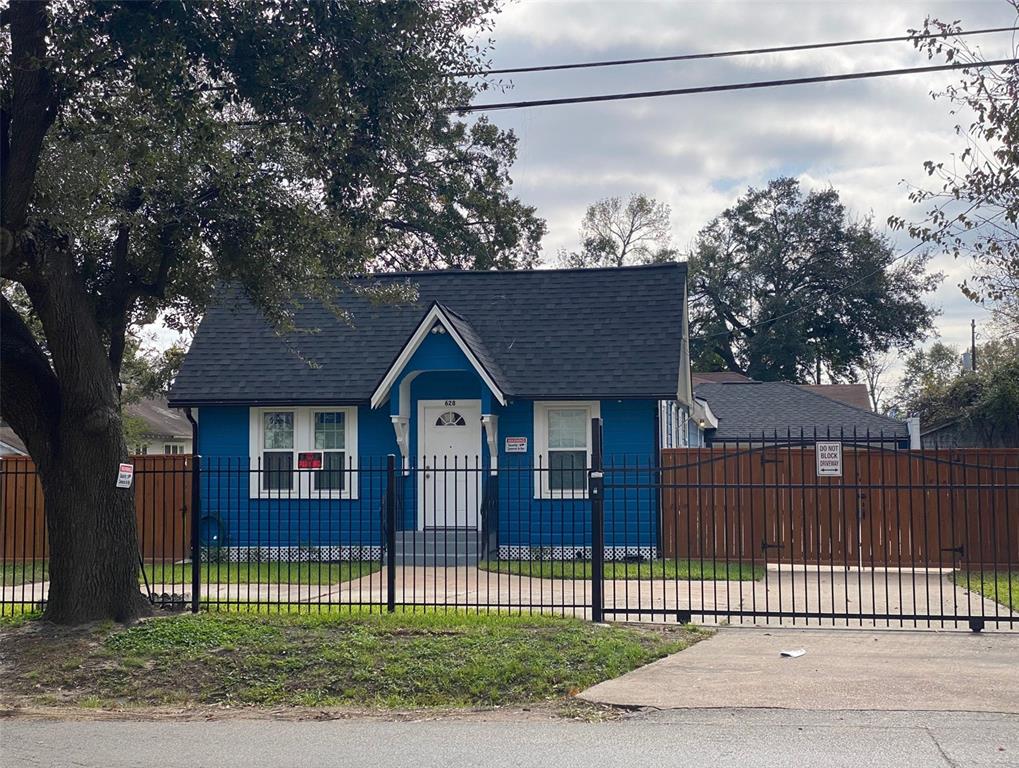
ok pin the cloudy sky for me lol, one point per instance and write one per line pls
(699, 153)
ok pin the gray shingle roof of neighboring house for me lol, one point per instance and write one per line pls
(850, 394)
(547, 333)
(746, 410)
(159, 420)
(10, 443)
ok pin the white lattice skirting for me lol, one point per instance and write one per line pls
(329, 554)
(519, 552)
(344, 553)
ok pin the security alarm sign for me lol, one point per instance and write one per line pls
(829, 459)
(309, 460)
(125, 475)
(516, 445)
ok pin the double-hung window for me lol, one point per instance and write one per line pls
(331, 438)
(563, 447)
(303, 452)
(277, 455)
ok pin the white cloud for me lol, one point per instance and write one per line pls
(700, 153)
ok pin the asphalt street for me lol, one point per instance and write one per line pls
(762, 737)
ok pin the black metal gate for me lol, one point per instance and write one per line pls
(757, 533)
(867, 533)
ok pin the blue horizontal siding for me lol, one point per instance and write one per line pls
(629, 446)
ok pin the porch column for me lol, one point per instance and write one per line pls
(491, 424)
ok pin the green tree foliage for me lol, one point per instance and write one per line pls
(153, 150)
(614, 233)
(925, 371)
(148, 371)
(973, 203)
(784, 284)
(986, 399)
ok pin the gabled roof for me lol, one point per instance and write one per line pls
(10, 443)
(464, 337)
(595, 333)
(160, 420)
(748, 410)
(717, 377)
(850, 394)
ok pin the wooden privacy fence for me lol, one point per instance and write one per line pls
(890, 508)
(162, 493)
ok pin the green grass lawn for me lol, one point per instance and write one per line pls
(693, 570)
(24, 572)
(1001, 586)
(17, 573)
(262, 573)
(431, 659)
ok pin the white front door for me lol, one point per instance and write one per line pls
(449, 455)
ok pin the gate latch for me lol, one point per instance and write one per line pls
(959, 550)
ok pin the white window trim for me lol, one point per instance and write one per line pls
(304, 440)
(541, 408)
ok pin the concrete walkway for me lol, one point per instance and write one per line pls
(842, 670)
(890, 594)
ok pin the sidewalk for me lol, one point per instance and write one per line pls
(842, 670)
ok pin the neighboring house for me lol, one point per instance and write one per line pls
(777, 411)
(855, 395)
(499, 371)
(10, 443)
(702, 422)
(965, 433)
(166, 431)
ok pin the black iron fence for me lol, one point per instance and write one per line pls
(840, 531)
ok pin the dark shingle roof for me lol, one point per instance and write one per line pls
(745, 410)
(547, 333)
(159, 420)
(476, 345)
(850, 394)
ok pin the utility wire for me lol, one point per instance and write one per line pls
(727, 54)
(502, 105)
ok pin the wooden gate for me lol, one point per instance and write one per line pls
(891, 508)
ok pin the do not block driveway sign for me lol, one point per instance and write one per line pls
(829, 459)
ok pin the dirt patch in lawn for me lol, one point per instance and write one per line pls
(324, 665)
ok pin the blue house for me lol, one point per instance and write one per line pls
(483, 385)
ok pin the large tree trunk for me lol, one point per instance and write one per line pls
(65, 407)
(94, 559)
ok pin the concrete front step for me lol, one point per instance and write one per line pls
(438, 547)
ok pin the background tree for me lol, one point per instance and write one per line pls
(613, 233)
(985, 400)
(873, 370)
(151, 151)
(926, 371)
(784, 285)
(974, 203)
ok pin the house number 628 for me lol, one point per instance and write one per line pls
(450, 403)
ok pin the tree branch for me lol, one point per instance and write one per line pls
(29, 393)
(120, 299)
(33, 109)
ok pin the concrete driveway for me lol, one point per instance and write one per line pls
(842, 669)
(790, 590)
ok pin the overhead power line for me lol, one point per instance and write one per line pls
(728, 54)
(502, 105)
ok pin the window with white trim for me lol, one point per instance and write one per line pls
(562, 434)
(281, 440)
(331, 439)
